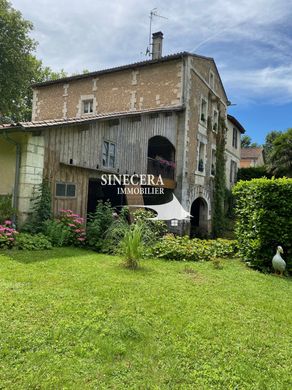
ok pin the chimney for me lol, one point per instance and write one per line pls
(157, 45)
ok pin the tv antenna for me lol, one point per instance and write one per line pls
(153, 13)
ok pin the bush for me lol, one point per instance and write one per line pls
(186, 249)
(264, 209)
(152, 230)
(98, 224)
(28, 241)
(58, 233)
(68, 229)
(6, 209)
(7, 235)
(41, 210)
(132, 246)
(252, 173)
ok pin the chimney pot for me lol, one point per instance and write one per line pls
(157, 38)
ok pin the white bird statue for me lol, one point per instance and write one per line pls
(279, 264)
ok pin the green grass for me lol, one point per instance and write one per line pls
(73, 319)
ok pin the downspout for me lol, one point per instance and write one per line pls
(17, 172)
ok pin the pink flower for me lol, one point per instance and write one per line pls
(77, 230)
(8, 222)
(11, 239)
(81, 239)
(71, 224)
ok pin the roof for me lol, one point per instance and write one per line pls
(235, 122)
(37, 125)
(134, 65)
(251, 153)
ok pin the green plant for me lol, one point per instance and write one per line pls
(185, 249)
(218, 223)
(263, 210)
(6, 209)
(98, 225)
(58, 233)
(28, 241)
(7, 235)
(252, 173)
(152, 230)
(41, 209)
(132, 246)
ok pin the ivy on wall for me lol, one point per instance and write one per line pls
(219, 181)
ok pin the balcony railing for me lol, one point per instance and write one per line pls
(161, 167)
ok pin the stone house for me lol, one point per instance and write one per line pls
(157, 117)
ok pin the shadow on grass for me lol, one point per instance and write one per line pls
(27, 257)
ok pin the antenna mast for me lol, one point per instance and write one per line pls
(153, 13)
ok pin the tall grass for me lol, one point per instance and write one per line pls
(132, 246)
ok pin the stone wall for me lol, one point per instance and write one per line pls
(153, 86)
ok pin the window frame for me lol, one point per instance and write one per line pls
(234, 138)
(109, 154)
(66, 184)
(90, 102)
(205, 113)
(213, 121)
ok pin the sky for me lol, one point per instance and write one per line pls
(250, 40)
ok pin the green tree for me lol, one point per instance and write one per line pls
(268, 145)
(19, 68)
(246, 142)
(280, 157)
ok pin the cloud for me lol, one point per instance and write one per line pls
(250, 40)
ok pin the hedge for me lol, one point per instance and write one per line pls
(252, 173)
(264, 220)
(172, 247)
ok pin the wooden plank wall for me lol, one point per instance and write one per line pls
(83, 146)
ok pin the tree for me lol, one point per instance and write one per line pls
(19, 68)
(246, 142)
(280, 163)
(268, 145)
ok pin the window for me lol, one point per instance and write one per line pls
(213, 163)
(66, 190)
(234, 138)
(201, 162)
(233, 171)
(87, 106)
(108, 154)
(211, 79)
(204, 109)
(215, 121)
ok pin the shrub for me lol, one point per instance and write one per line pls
(6, 209)
(98, 225)
(68, 229)
(186, 249)
(58, 233)
(132, 246)
(252, 173)
(28, 241)
(7, 235)
(264, 209)
(152, 230)
(41, 210)
(75, 223)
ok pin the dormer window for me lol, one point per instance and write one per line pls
(87, 106)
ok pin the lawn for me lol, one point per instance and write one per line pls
(74, 319)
